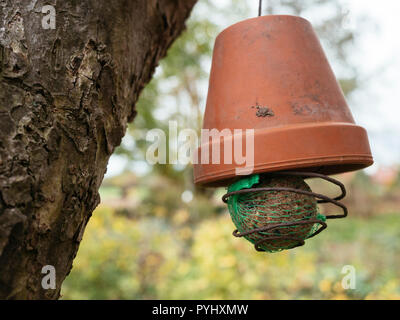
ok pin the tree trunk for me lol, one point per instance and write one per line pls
(66, 96)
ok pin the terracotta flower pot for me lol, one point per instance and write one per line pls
(270, 74)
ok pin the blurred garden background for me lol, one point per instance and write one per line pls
(156, 236)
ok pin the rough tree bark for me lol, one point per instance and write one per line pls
(66, 96)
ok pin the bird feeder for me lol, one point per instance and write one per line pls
(270, 74)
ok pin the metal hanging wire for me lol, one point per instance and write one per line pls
(260, 8)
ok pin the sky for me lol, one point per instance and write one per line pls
(378, 57)
(376, 105)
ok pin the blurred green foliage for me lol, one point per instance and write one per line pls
(156, 236)
(153, 245)
(148, 258)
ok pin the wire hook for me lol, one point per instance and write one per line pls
(260, 8)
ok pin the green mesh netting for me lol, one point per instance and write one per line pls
(254, 210)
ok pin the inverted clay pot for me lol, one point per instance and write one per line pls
(270, 74)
